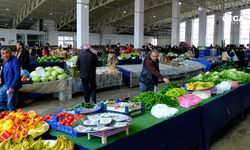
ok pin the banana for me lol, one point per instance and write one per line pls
(56, 145)
(2, 145)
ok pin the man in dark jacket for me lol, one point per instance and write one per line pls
(23, 56)
(150, 73)
(87, 63)
(11, 80)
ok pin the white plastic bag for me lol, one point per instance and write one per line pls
(203, 94)
(223, 87)
(163, 111)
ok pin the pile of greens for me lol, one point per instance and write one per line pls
(228, 65)
(150, 99)
(218, 77)
(175, 92)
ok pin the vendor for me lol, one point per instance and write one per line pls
(150, 73)
(23, 56)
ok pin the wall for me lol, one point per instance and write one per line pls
(10, 35)
(164, 40)
(51, 36)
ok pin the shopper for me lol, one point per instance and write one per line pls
(11, 80)
(46, 51)
(234, 56)
(36, 51)
(150, 73)
(87, 63)
(224, 56)
(22, 56)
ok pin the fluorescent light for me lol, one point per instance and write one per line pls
(154, 16)
(180, 3)
(51, 14)
(124, 11)
(85, 6)
(7, 9)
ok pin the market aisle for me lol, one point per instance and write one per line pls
(238, 137)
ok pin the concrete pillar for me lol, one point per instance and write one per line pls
(218, 28)
(202, 27)
(235, 29)
(82, 23)
(175, 23)
(188, 31)
(139, 24)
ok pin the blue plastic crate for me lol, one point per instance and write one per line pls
(58, 127)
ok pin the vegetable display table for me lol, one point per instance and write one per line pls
(208, 64)
(179, 132)
(131, 73)
(218, 111)
(61, 88)
(103, 80)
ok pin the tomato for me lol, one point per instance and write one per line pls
(71, 124)
(67, 124)
(81, 115)
(71, 117)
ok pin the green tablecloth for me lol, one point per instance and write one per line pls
(139, 123)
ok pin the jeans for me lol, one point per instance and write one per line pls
(143, 87)
(89, 87)
(7, 101)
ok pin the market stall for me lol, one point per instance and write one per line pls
(186, 69)
(208, 62)
(104, 78)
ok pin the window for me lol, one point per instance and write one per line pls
(182, 31)
(210, 30)
(227, 28)
(244, 26)
(195, 31)
(65, 41)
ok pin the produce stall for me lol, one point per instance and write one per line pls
(208, 62)
(49, 80)
(132, 58)
(105, 77)
(187, 68)
(129, 61)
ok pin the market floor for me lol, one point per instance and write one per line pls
(237, 138)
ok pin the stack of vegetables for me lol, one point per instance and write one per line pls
(47, 59)
(28, 143)
(218, 77)
(19, 124)
(50, 74)
(150, 99)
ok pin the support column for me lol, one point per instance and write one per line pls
(202, 27)
(235, 29)
(188, 31)
(218, 29)
(139, 24)
(175, 23)
(82, 23)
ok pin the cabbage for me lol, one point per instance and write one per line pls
(47, 74)
(39, 68)
(35, 80)
(34, 74)
(44, 79)
(52, 78)
(59, 70)
(54, 73)
(49, 69)
(62, 77)
(56, 67)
